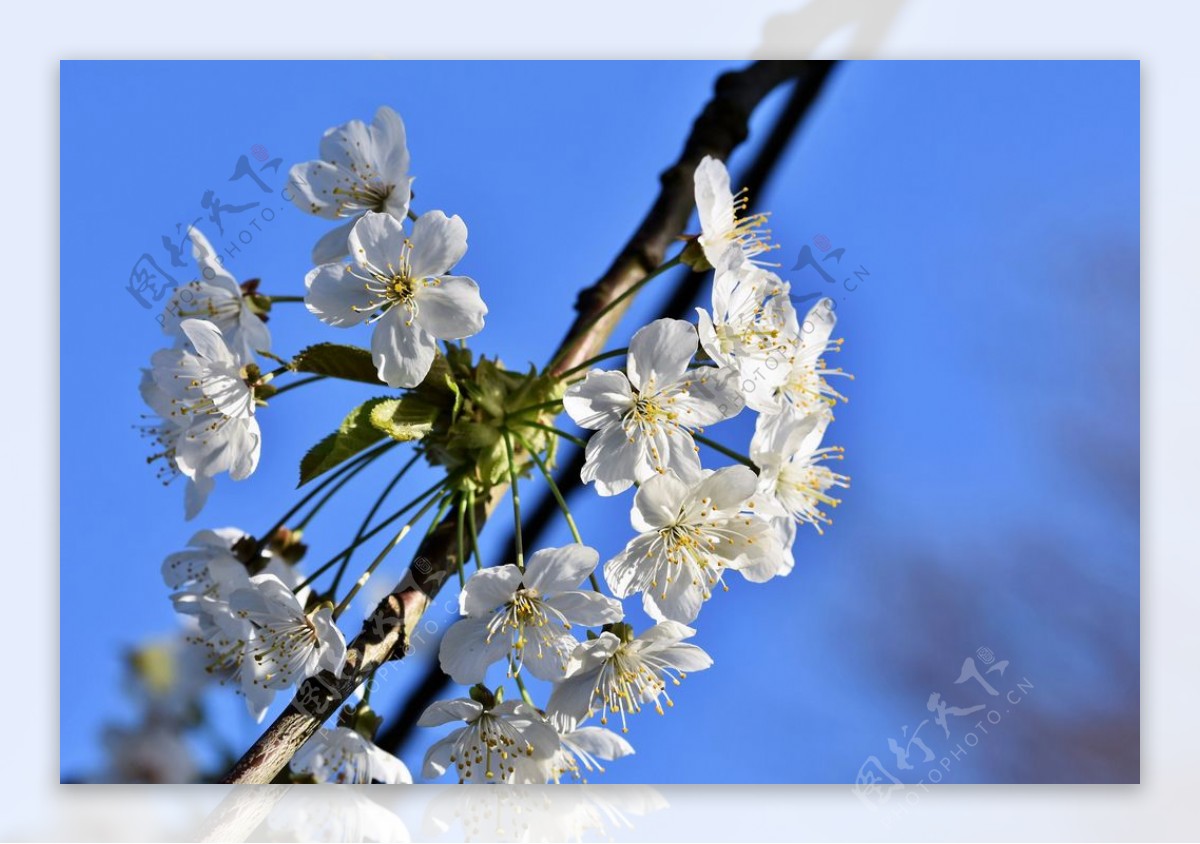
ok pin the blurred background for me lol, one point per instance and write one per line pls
(979, 222)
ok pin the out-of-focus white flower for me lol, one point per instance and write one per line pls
(401, 285)
(507, 742)
(217, 297)
(362, 168)
(341, 755)
(206, 408)
(149, 753)
(530, 613)
(618, 672)
(724, 231)
(688, 535)
(643, 420)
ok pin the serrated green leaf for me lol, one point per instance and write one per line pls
(354, 434)
(404, 419)
(350, 363)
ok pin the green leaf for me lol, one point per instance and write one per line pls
(404, 419)
(350, 363)
(354, 434)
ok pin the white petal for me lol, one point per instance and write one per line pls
(437, 758)
(451, 309)
(659, 354)
(438, 242)
(465, 652)
(679, 599)
(554, 570)
(377, 240)
(445, 711)
(402, 353)
(714, 198)
(207, 340)
(601, 743)
(658, 502)
(572, 697)
(391, 152)
(487, 589)
(632, 570)
(586, 609)
(335, 296)
(612, 461)
(601, 398)
(334, 244)
(312, 184)
(386, 768)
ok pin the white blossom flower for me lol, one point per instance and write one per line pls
(618, 672)
(792, 483)
(688, 535)
(362, 168)
(401, 285)
(643, 421)
(752, 329)
(804, 389)
(286, 643)
(212, 568)
(724, 232)
(581, 748)
(507, 742)
(206, 406)
(342, 755)
(529, 613)
(217, 297)
(148, 753)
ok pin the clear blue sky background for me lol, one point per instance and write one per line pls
(991, 434)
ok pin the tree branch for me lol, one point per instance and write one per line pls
(721, 126)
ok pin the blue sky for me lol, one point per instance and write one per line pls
(991, 431)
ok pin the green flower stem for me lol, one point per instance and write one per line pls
(554, 490)
(387, 490)
(473, 528)
(299, 383)
(366, 537)
(546, 405)
(333, 476)
(512, 672)
(607, 309)
(562, 502)
(387, 549)
(516, 500)
(459, 525)
(345, 479)
(552, 430)
(728, 452)
(615, 353)
(278, 299)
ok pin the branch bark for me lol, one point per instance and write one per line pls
(720, 127)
